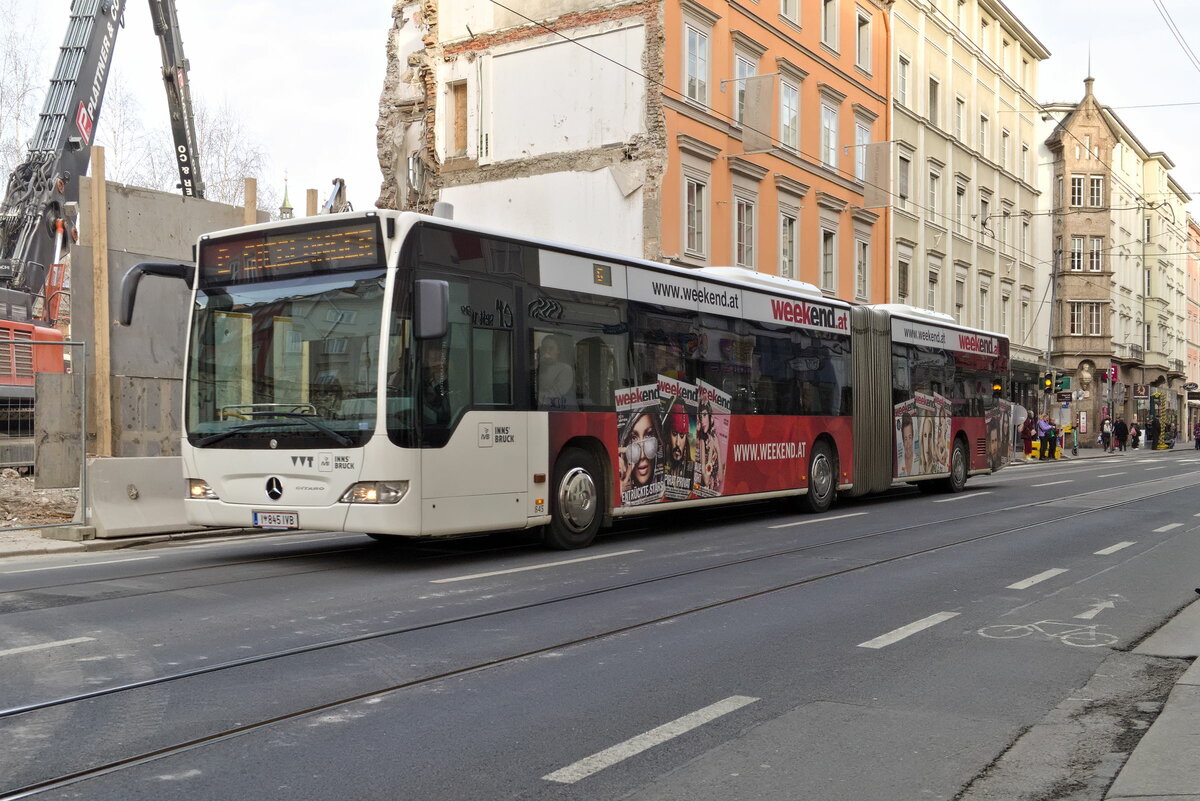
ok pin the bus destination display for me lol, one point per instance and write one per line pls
(274, 255)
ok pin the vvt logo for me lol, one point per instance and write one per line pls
(306, 461)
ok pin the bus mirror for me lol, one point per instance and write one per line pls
(129, 284)
(432, 309)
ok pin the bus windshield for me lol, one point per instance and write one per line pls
(293, 361)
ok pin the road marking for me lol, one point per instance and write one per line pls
(1167, 527)
(964, 497)
(534, 567)
(1110, 550)
(1160, 467)
(656, 736)
(899, 634)
(80, 564)
(1052, 483)
(44, 645)
(1146, 461)
(1038, 579)
(1095, 610)
(1108, 475)
(306, 542)
(820, 519)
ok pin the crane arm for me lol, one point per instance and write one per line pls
(179, 99)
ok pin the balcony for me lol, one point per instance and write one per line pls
(1136, 352)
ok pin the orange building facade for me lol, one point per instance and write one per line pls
(770, 111)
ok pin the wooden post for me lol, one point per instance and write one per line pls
(101, 315)
(311, 205)
(250, 209)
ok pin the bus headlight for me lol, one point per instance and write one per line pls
(198, 489)
(376, 492)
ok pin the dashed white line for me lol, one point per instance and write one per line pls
(1025, 584)
(1160, 467)
(535, 567)
(820, 519)
(1108, 475)
(963, 497)
(895, 636)
(1110, 550)
(1167, 527)
(80, 564)
(656, 736)
(1052, 483)
(44, 645)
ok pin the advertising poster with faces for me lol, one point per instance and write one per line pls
(999, 434)
(712, 440)
(678, 399)
(922, 425)
(640, 445)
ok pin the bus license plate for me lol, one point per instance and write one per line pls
(276, 520)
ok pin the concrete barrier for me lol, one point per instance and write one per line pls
(127, 496)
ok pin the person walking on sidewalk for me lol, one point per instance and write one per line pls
(1196, 434)
(1106, 435)
(1046, 437)
(1120, 434)
(1135, 435)
(1028, 433)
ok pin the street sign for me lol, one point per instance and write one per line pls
(1065, 398)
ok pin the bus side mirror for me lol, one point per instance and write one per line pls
(129, 284)
(431, 311)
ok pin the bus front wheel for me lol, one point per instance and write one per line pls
(958, 468)
(822, 480)
(575, 505)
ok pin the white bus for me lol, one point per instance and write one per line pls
(404, 375)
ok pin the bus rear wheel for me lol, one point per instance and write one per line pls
(822, 480)
(575, 502)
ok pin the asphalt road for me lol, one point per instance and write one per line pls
(890, 649)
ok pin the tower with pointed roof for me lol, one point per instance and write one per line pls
(285, 209)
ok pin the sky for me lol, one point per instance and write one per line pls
(1135, 60)
(304, 76)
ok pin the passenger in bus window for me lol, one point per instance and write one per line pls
(555, 378)
(435, 403)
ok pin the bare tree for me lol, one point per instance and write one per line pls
(229, 155)
(22, 86)
(133, 154)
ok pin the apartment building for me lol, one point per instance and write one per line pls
(1119, 238)
(1192, 387)
(698, 132)
(965, 203)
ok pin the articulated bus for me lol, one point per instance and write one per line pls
(405, 375)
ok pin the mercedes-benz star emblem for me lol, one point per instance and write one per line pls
(274, 488)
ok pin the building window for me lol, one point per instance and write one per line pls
(862, 56)
(789, 115)
(1077, 253)
(1096, 195)
(1024, 165)
(1086, 319)
(931, 291)
(862, 267)
(935, 189)
(1146, 230)
(983, 306)
(902, 279)
(828, 259)
(1026, 301)
(458, 118)
(903, 169)
(697, 200)
(1076, 190)
(960, 297)
(744, 232)
(790, 9)
(829, 135)
(862, 138)
(829, 23)
(1058, 191)
(985, 208)
(1025, 238)
(934, 87)
(744, 69)
(1004, 301)
(960, 203)
(787, 244)
(960, 110)
(696, 81)
(1096, 254)
(983, 135)
(1004, 137)
(902, 81)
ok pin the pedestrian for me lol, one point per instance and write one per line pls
(1135, 434)
(1029, 431)
(1106, 433)
(1046, 438)
(1120, 434)
(1152, 430)
(1196, 434)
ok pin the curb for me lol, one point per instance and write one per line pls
(53, 546)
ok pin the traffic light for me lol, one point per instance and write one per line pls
(1062, 383)
(1048, 383)
(997, 388)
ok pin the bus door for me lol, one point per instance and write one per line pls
(474, 442)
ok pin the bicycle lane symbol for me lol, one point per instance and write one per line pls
(1074, 634)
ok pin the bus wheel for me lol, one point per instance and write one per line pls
(958, 468)
(575, 505)
(822, 480)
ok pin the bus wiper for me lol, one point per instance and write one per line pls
(340, 439)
